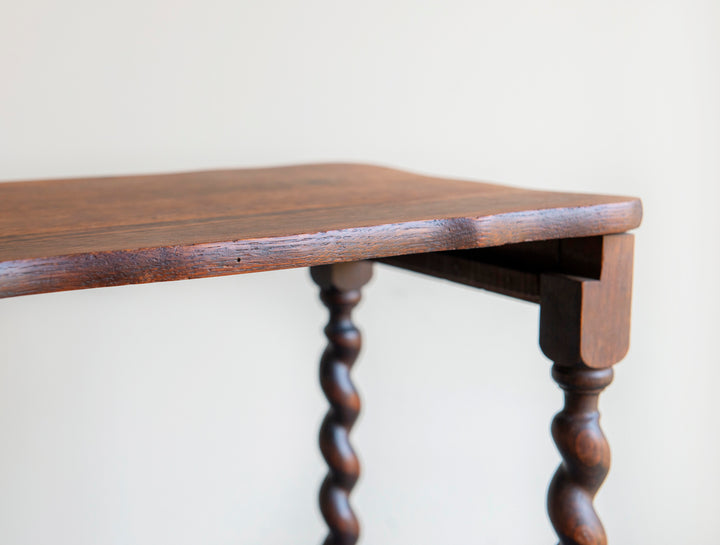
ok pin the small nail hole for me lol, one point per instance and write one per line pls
(238, 260)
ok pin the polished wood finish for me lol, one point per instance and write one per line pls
(72, 234)
(340, 291)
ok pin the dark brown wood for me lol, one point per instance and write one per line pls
(583, 286)
(73, 234)
(584, 329)
(587, 320)
(340, 291)
(515, 270)
(586, 456)
(467, 267)
(562, 250)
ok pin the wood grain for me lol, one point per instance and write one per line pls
(588, 320)
(585, 330)
(72, 234)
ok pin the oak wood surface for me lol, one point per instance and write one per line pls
(80, 233)
(587, 320)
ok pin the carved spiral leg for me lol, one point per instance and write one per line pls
(343, 347)
(586, 456)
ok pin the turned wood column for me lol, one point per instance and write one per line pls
(340, 291)
(584, 329)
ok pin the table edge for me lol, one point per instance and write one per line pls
(168, 263)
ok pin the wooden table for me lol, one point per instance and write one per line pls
(567, 252)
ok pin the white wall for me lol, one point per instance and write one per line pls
(186, 412)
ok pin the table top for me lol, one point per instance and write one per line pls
(69, 234)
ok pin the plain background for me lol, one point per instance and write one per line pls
(186, 412)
